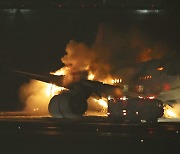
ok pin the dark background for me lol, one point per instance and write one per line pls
(34, 35)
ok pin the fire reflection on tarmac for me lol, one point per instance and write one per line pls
(22, 133)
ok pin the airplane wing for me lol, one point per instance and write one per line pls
(48, 78)
(95, 86)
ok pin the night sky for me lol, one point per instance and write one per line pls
(35, 40)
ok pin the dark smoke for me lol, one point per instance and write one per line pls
(114, 53)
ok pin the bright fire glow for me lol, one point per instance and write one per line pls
(62, 71)
(102, 102)
(52, 90)
(116, 81)
(37, 95)
(169, 112)
(91, 76)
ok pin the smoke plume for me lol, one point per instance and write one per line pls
(113, 54)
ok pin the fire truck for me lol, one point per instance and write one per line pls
(135, 109)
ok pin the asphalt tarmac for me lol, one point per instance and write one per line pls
(37, 134)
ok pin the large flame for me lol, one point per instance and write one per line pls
(172, 111)
(61, 71)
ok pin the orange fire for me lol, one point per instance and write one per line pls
(52, 90)
(172, 111)
(37, 95)
(61, 71)
(91, 76)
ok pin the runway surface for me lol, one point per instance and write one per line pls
(21, 133)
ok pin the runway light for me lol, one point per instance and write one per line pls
(124, 113)
(137, 113)
(124, 110)
(142, 140)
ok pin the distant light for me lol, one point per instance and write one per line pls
(35, 109)
(160, 68)
(159, 105)
(148, 11)
(11, 11)
(109, 97)
(143, 121)
(137, 113)
(124, 113)
(151, 97)
(123, 98)
(142, 140)
(143, 11)
(116, 81)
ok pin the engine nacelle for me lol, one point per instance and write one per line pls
(68, 104)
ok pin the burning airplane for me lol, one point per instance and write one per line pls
(88, 79)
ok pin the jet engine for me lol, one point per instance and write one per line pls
(69, 104)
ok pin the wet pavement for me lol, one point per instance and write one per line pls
(35, 134)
